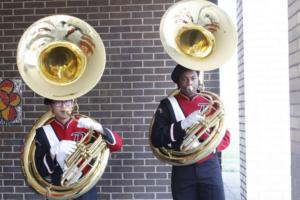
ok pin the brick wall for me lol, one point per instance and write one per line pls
(136, 78)
(294, 50)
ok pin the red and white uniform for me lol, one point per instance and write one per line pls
(54, 131)
(167, 129)
(201, 180)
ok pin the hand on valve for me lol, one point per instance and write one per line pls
(193, 118)
(88, 123)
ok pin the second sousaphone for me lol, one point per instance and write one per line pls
(198, 35)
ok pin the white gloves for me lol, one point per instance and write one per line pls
(62, 150)
(88, 123)
(193, 118)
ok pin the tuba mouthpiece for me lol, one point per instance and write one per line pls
(190, 89)
(68, 112)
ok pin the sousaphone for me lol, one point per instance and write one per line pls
(199, 36)
(62, 57)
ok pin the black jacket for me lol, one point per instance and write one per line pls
(161, 129)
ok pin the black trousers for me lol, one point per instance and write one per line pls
(198, 181)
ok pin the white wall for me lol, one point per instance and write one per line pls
(265, 86)
(229, 96)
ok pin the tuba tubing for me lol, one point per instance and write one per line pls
(81, 158)
(65, 191)
(198, 129)
(189, 154)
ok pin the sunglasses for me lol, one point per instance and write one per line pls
(65, 103)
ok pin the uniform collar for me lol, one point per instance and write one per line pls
(71, 120)
(186, 97)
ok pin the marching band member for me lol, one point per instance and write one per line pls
(202, 180)
(58, 137)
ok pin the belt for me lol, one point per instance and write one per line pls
(206, 158)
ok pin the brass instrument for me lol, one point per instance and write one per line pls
(62, 57)
(83, 156)
(191, 150)
(90, 148)
(99, 154)
(199, 36)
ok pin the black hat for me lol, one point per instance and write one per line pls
(178, 70)
(48, 101)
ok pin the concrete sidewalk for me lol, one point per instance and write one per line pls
(232, 185)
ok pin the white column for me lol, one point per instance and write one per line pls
(266, 94)
(229, 97)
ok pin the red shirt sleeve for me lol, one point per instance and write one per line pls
(225, 142)
(118, 142)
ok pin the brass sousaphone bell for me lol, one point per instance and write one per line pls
(199, 36)
(62, 57)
